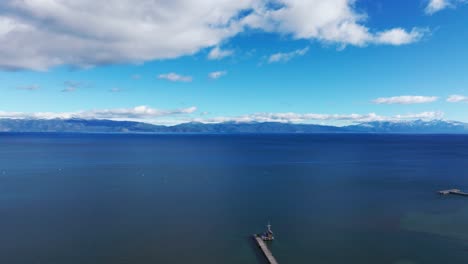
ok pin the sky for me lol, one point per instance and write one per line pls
(173, 61)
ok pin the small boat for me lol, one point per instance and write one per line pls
(267, 235)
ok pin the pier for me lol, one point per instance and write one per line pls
(261, 244)
(453, 191)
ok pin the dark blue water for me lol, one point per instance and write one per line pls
(141, 199)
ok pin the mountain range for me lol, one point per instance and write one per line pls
(110, 126)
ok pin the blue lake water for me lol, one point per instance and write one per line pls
(141, 199)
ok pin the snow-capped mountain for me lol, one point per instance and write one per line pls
(109, 126)
(417, 126)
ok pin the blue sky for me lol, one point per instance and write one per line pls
(167, 62)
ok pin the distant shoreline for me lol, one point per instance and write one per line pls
(98, 126)
(224, 133)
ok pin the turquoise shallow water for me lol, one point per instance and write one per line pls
(145, 199)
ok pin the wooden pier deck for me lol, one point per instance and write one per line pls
(453, 191)
(261, 244)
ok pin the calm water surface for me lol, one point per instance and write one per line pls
(147, 199)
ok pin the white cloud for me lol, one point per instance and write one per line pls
(6, 25)
(283, 57)
(73, 83)
(32, 87)
(423, 115)
(136, 113)
(174, 77)
(86, 33)
(331, 21)
(71, 86)
(115, 90)
(308, 117)
(69, 90)
(176, 116)
(457, 98)
(434, 6)
(136, 76)
(405, 99)
(399, 36)
(216, 74)
(217, 53)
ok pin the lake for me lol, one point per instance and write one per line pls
(141, 199)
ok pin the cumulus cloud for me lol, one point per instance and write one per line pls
(216, 74)
(136, 113)
(331, 21)
(405, 99)
(399, 36)
(434, 6)
(174, 77)
(86, 33)
(217, 53)
(457, 98)
(308, 117)
(283, 57)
